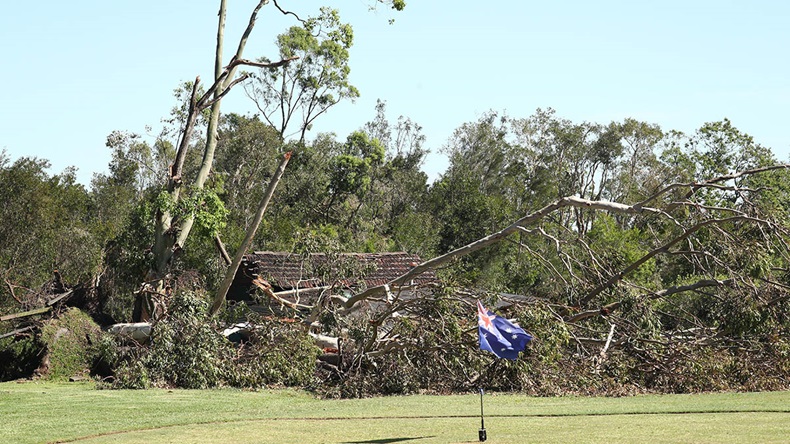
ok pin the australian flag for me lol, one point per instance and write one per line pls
(500, 336)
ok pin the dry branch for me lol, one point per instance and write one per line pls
(18, 331)
(59, 298)
(267, 290)
(25, 314)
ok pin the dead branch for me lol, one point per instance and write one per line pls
(298, 291)
(18, 331)
(59, 298)
(277, 5)
(267, 290)
(25, 314)
(602, 355)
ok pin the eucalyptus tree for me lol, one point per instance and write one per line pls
(247, 145)
(185, 200)
(291, 96)
(397, 199)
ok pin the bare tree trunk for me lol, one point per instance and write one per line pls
(222, 292)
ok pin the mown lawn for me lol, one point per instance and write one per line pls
(35, 412)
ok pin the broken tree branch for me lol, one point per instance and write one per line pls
(607, 309)
(18, 331)
(59, 298)
(570, 201)
(25, 314)
(222, 251)
(605, 348)
(230, 274)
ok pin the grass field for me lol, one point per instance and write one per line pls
(34, 412)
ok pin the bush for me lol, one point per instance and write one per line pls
(186, 350)
(275, 354)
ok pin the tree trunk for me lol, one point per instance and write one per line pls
(170, 234)
(219, 299)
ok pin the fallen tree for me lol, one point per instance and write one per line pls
(716, 241)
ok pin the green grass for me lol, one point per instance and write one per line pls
(35, 412)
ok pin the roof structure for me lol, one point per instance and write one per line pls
(286, 271)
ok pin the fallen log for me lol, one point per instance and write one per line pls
(139, 331)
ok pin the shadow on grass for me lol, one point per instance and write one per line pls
(387, 440)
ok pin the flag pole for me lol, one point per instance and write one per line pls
(482, 433)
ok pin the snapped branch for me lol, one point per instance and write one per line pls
(606, 309)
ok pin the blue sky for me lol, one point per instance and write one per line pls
(75, 71)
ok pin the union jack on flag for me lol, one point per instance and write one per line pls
(500, 336)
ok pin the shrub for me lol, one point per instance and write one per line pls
(186, 350)
(275, 354)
